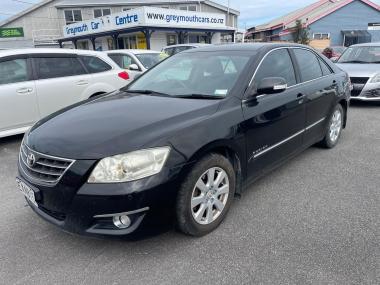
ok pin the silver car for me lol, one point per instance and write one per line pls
(362, 63)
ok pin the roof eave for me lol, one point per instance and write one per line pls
(25, 12)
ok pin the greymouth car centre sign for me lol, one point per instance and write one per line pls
(146, 16)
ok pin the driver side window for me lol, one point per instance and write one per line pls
(277, 64)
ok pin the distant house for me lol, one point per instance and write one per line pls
(330, 22)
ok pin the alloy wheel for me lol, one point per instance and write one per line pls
(335, 126)
(210, 195)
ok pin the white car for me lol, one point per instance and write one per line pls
(136, 61)
(37, 82)
(174, 49)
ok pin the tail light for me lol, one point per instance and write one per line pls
(124, 75)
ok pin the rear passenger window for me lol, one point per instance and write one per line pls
(308, 64)
(54, 67)
(13, 71)
(277, 64)
(95, 65)
(325, 69)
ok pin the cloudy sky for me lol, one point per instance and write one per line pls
(253, 12)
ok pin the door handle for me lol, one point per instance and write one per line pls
(24, 90)
(301, 95)
(82, 82)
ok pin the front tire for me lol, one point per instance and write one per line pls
(205, 195)
(334, 128)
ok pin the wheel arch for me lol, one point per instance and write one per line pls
(344, 104)
(97, 93)
(230, 151)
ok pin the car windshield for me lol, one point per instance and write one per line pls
(149, 59)
(207, 74)
(361, 54)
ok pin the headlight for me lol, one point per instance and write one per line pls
(375, 79)
(130, 166)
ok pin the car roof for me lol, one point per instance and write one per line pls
(132, 51)
(377, 44)
(186, 45)
(244, 47)
(10, 52)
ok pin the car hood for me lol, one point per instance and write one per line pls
(360, 69)
(114, 124)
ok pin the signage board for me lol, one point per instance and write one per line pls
(146, 16)
(11, 32)
(374, 26)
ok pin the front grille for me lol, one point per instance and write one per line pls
(355, 93)
(359, 80)
(41, 168)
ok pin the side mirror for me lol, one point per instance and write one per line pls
(134, 67)
(271, 85)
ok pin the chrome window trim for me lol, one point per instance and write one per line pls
(288, 48)
(287, 139)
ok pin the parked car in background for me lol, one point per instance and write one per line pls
(174, 49)
(35, 83)
(136, 61)
(333, 52)
(188, 140)
(362, 63)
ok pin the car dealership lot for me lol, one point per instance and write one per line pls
(313, 220)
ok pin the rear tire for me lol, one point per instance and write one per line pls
(205, 195)
(334, 128)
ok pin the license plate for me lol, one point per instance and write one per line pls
(27, 191)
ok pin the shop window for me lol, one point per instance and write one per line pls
(188, 8)
(171, 40)
(321, 36)
(101, 12)
(72, 16)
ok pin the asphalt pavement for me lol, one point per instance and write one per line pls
(314, 220)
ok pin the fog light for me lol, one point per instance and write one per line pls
(122, 222)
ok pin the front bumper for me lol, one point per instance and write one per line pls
(88, 209)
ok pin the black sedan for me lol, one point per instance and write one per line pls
(187, 135)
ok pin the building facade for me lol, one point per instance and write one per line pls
(45, 24)
(329, 23)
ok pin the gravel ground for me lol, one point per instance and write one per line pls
(314, 220)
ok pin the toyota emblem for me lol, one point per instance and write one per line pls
(31, 159)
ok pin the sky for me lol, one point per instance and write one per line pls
(252, 12)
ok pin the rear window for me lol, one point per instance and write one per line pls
(13, 71)
(95, 64)
(149, 59)
(53, 67)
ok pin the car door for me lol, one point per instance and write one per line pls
(18, 103)
(319, 86)
(61, 81)
(273, 123)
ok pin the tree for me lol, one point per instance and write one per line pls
(301, 33)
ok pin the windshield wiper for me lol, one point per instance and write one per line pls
(200, 96)
(146, 92)
(354, 61)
